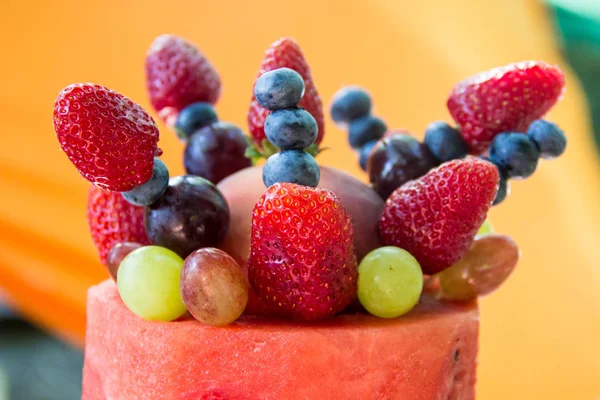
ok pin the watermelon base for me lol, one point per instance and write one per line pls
(428, 354)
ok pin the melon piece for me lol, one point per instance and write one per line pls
(428, 354)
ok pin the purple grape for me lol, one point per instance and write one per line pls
(192, 214)
(216, 151)
(396, 160)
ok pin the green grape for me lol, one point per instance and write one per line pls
(487, 264)
(390, 282)
(485, 229)
(148, 282)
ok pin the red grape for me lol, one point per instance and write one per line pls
(117, 254)
(213, 287)
(487, 264)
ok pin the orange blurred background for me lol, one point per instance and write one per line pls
(539, 333)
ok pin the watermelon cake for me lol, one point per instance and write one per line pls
(260, 274)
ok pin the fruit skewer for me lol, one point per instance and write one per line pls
(302, 259)
(497, 112)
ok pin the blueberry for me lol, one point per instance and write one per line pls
(548, 137)
(515, 153)
(149, 192)
(365, 129)
(294, 166)
(445, 142)
(365, 152)
(216, 151)
(503, 188)
(291, 128)
(280, 88)
(194, 117)
(396, 160)
(350, 103)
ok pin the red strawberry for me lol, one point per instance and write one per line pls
(286, 53)
(113, 220)
(504, 99)
(110, 139)
(177, 75)
(302, 262)
(435, 218)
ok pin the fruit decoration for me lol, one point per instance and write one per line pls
(461, 193)
(153, 189)
(148, 281)
(349, 104)
(497, 112)
(178, 75)
(504, 99)
(190, 215)
(111, 140)
(396, 160)
(285, 53)
(292, 239)
(302, 262)
(213, 287)
(390, 282)
(288, 127)
(116, 256)
(351, 109)
(488, 263)
(444, 142)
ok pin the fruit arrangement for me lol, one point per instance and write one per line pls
(290, 239)
(497, 114)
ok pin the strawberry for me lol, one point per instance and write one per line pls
(504, 99)
(435, 218)
(111, 140)
(302, 262)
(113, 220)
(177, 75)
(286, 53)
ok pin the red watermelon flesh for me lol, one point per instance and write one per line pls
(429, 354)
